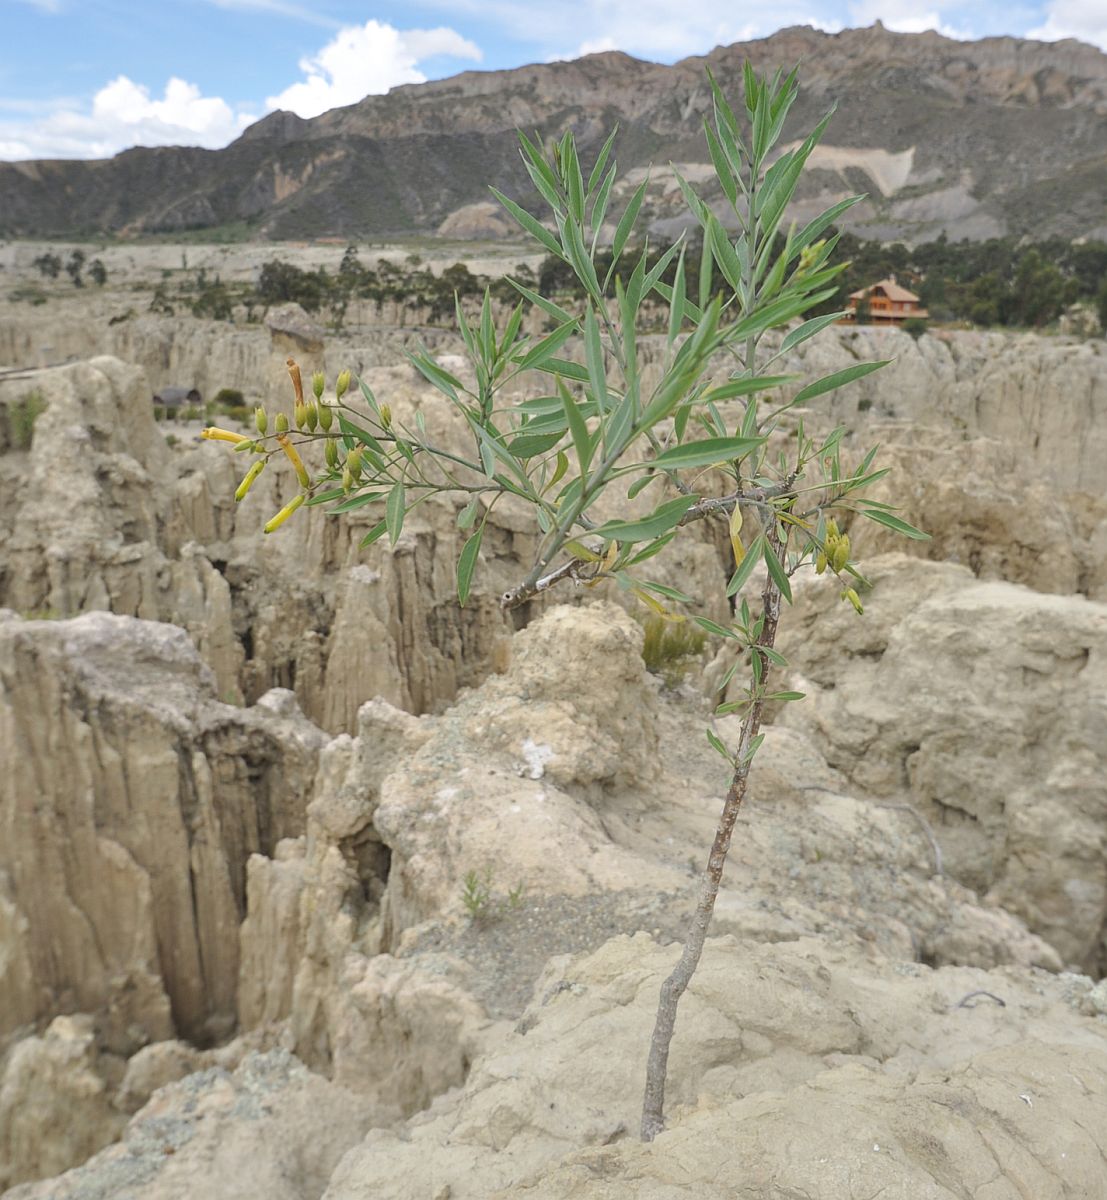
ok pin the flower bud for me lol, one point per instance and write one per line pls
(246, 446)
(296, 461)
(326, 416)
(330, 453)
(248, 481)
(820, 563)
(347, 480)
(214, 434)
(342, 384)
(277, 521)
(353, 462)
(386, 416)
(851, 595)
(318, 383)
(299, 414)
(261, 421)
(281, 423)
(831, 529)
(312, 417)
(840, 554)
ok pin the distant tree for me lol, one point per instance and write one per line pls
(74, 267)
(98, 272)
(49, 265)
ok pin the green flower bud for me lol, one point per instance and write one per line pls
(342, 384)
(299, 414)
(353, 462)
(261, 421)
(326, 417)
(347, 480)
(330, 453)
(281, 423)
(312, 417)
(386, 416)
(318, 382)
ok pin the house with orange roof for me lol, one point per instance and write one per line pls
(884, 303)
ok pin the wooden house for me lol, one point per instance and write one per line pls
(884, 303)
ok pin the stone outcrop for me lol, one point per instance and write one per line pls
(130, 801)
(796, 1068)
(270, 1130)
(984, 705)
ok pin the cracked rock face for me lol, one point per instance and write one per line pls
(130, 801)
(984, 705)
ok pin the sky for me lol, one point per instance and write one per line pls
(88, 78)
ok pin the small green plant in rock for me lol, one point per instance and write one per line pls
(599, 426)
(482, 902)
(22, 417)
(671, 648)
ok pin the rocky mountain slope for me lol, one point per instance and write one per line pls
(971, 138)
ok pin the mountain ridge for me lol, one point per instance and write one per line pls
(999, 136)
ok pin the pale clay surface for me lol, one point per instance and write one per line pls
(291, 870)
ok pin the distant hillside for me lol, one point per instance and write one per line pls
(977, 139)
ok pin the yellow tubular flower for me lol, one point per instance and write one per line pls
(248, 481)
(277, 521)
(214, 434)
(294, 458)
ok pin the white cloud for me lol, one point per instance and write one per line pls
(902, 16)
(1083, 19)
(366, 60)
(123, 114)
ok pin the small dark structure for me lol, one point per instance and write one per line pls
(174, 398)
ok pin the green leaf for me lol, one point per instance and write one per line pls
(776, 570)
(745, 567)
(530, 445)
(374, 534)
(540, 301)
(654, 547)
(468, 514)
(639, 485)
(670, 593)
(466, 564)
(718, 630)
(537, 230)
(433, 373)
(663, 518)
(713, 738)
(786, 696)
(356, 502)
(755, 745)
(358, 434)
(594, 356)
(744, 387)
(808, 330)
(601, 159)
(565, 369)
(325, 497)
(547, 347)
(626, 223)
(395, 510)
(582, 440)
(886, 519)
(706, 452)
(830, 383)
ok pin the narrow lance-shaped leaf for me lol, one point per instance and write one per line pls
(830, 383)
(466, 564)
(395, 510)
(706, 452)
(900, 526)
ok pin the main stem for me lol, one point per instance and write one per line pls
(657, 1067)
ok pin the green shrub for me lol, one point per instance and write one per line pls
(22, 417)
(915, 326)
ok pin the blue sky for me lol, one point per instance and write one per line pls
(87, 78)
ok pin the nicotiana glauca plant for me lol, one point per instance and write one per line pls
(597, 428)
